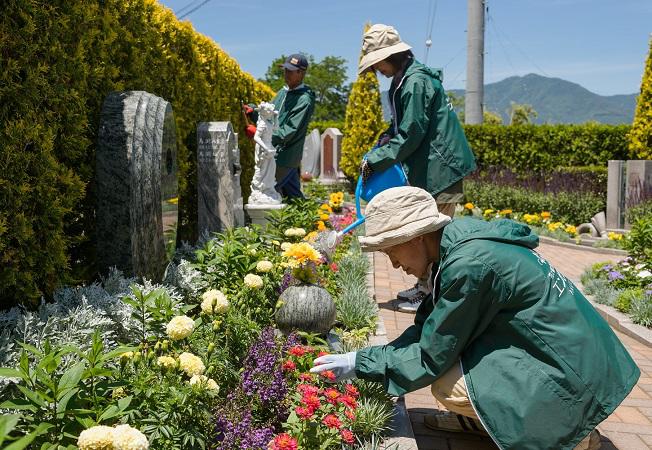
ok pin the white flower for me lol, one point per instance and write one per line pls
(127, 438)
(253, 281)
(191, 364)
(644, 274)
(295, 232)
(639, 266)
(264, 266)
(214, 301)
(203, 380)
(180, 327)
(167, 362)
(96, 438)
(285, 246)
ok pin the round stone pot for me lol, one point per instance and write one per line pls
(306, 307)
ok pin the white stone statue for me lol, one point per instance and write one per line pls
(264, 180)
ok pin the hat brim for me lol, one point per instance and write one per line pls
(289, 66)
(372, 58)
(403, 234)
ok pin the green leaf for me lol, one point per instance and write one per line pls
(20, 404)
(71, 377)
(62, 401)
(38, 398)
(7, 424)
(25, 441)
(10, 373)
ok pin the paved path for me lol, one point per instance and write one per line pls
(629, 428)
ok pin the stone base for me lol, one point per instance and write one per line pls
(258, 213)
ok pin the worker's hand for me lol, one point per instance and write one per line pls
(365, 170)
(384, 139)
(342, 365)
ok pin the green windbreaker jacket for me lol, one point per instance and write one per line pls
(427, 136)
(295, 110)
(541, 366)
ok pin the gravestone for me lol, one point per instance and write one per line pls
(311, 156)
(639, 180)
(219, 194)
(331, 152)
(136, 184)
(626, 184)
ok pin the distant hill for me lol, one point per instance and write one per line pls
(555, 100)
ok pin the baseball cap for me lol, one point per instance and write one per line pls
(295, 61)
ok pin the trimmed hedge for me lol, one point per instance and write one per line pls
(321, 125)
(60, 59)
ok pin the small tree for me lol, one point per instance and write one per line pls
(363, 121)
(640, 136)
(521, 114)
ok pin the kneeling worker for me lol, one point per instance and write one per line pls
(509, 345)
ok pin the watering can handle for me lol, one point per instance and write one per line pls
(358, 193)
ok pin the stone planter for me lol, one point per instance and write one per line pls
(306, 307)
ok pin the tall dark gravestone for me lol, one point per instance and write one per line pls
(137, 188)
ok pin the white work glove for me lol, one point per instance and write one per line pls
(342, 365)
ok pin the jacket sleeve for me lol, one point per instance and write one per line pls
(296, 118)
(413, 129)
(468, 301)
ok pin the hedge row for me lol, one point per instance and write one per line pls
(60, 59)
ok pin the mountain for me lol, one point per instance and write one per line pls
(555, 100)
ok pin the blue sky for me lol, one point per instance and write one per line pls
(600, 44)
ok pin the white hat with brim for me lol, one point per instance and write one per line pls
(378, 43)
(398, 215)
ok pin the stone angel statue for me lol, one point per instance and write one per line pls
(264, 180)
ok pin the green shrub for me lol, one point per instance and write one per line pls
(60, 59)
(639, 240)
(640, 137)
(641, 310)
(321, 125)
(570, 207)
(626, 298)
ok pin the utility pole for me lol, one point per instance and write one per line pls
(474, 98)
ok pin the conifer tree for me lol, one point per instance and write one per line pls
(640, 136)
(363, 121)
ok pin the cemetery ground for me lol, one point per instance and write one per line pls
(628, 428)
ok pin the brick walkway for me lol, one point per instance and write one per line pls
(629, 428)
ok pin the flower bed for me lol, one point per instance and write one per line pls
(194, 362)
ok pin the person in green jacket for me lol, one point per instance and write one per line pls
(295, 103)
(425, 134)
(504, 340)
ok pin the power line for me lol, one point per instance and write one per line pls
(432, 12)
(188, 6)
(194, 9)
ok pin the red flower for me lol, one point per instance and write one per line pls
(289, 366)
(304, 413)
(322, 353)
(297, 350)
(283, 441)
(308, 389)
(331, 421)
(328, 374)
(308, 349)
(331, 395)
(347, 436)
(334, 267)
(311, 401)
(306, 377)
(352, 390)
(350, 414)
(348, 400)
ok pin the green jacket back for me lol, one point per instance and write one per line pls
(427, 136)
(541, 366)
(295, 109)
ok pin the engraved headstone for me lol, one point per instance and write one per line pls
(638, 183)
(218, 178)
(331, 151)
(616, 182)
(311, 156)
(136, 179)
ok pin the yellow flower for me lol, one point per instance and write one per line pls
(321, 226)
(275, 242)
(204, 381)
(301, 253)
(311, 237)
(488, 212)
(570, 229)
(295, 232)
(167, 362)
(96, 438)
(174, 200)
(614, 236)
(264, 266)
(253, 281)
(191, 364)
(554, 226)
(326, 207)
(505, 212)
(324, 216)
(545, 215)
(127, 438)
(214, 301)
(180, 327)
(468, 205)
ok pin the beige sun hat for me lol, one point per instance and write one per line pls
(379, 42)
(398, 215)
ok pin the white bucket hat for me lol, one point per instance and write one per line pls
(398, 215)
(379, 42)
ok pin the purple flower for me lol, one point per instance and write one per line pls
(607, 267)
(615, 275)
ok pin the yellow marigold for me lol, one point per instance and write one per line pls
(180, 327)
(488, 212)
(324, 216)
(505, 212)
(326, 207)
(554, 226)
(571, 229)
(614, 236)
(468, 205)
(321, 226)
(191, 364)
(301, 253)
(167, 362)
(96, 438)
(253, 281)
(264, 266)
(311, 237)
(214, 301)
(545, 215)
(203, 380)
(127, 438)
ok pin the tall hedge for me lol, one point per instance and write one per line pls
(640, 138)
(59, 59)
(363, 121)
(544, 147)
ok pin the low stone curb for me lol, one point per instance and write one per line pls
(611, 251)
(622, 323)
